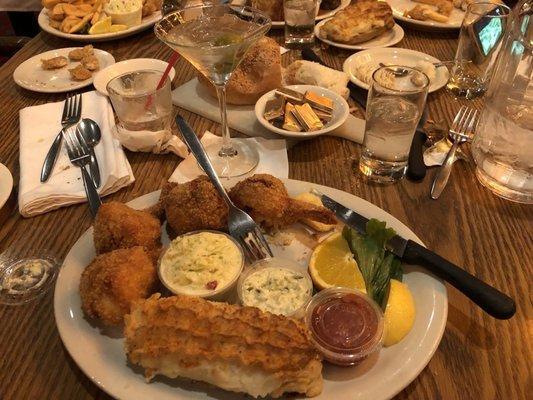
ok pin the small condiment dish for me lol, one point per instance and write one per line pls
(221, 292)
(302, 292)
(340, 112)
(346, 325)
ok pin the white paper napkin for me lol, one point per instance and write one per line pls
(273, 160)
(193, 97)
(38, 127)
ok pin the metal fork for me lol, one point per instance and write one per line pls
(461, 131)
(71, 115)
(240, 225)
(79, 155)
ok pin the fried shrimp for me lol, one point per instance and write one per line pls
(113, 281)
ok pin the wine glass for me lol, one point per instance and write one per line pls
(214, 39)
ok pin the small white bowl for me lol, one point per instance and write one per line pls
(340, 112)
(102, 78)
(221, 293)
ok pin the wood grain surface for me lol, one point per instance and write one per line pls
(479, 357)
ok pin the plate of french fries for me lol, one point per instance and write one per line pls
(98, 20)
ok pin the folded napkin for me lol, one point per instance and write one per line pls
(193, 97)
(273, 160)
(38, 127)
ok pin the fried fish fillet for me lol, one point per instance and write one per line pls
(80, 73)
(90, 62)
(266, 199)
(240, 349)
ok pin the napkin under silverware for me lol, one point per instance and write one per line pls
(38, 127)
(273, 160)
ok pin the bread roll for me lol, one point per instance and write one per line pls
(259, 72)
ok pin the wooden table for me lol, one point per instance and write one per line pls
(478, 358)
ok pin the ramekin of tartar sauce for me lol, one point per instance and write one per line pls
(346, 325)
(124, 12)
(276, 285)
(202, 263)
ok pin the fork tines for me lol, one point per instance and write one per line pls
(255, 245)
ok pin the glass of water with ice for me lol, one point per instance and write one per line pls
(299, 22)
(395, 102)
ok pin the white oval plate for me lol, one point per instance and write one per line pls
(102, 78)
(6, 184)
(340, 112)
(395, 56)
(30, 74)
(322, 14)
(146, 22)
(389, 38)
(103, 360)
(399, 6)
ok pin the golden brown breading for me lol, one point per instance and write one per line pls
(80, 73)
(90, 62)
(113, 281)
(150, 7)
(54, 63)
(78, 54)
(195, 205)
(158, 209)
(241, 349)
(266, 199)
(118, 226)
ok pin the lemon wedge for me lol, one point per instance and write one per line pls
(399, 315)
(314, 200)
(332, 264)
(102, 26)
(118, 28)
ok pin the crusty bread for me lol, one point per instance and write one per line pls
(258, 73)
(359, 22)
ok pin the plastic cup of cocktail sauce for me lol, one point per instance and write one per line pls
(346, 325)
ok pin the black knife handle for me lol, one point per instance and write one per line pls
(416, 169)
(494, 302)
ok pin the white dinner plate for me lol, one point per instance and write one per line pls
(101, 357)
(102, 78)
(322, 14)
(399, 6)
(31, 75)
(146, 22)
(340, 112)
(395, 56)
(6, 184)
(389, 38)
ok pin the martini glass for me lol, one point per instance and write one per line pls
(214, 39)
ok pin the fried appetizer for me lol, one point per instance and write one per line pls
(359, 22)
(240, 349)
(78, 54)
(423, 13)
(266, 199)
(91, 63)
(80, 73)
(195, 205)
(118, 226)
(54, 63)
(113, 281)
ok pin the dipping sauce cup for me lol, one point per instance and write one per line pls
(346, 325)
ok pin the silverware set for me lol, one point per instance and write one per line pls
(240, 225)
(80, 136)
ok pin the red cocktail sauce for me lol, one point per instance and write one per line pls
(346, 326)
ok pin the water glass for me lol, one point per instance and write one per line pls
(395, 102)
(139, 105)
(480, 39)
(299, 22)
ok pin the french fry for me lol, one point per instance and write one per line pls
(54, 24)
(49, 4)
(77, 11)
(81, 24)
(96, 15)
(68, 23)
(57, 13)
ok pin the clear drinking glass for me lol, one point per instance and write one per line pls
(503, 144)
(139, 105)
(395, 102)
(214, 38)
(299, 22)
(480, 39)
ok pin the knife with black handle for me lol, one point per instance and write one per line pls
(416, 169)
(490, 299)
